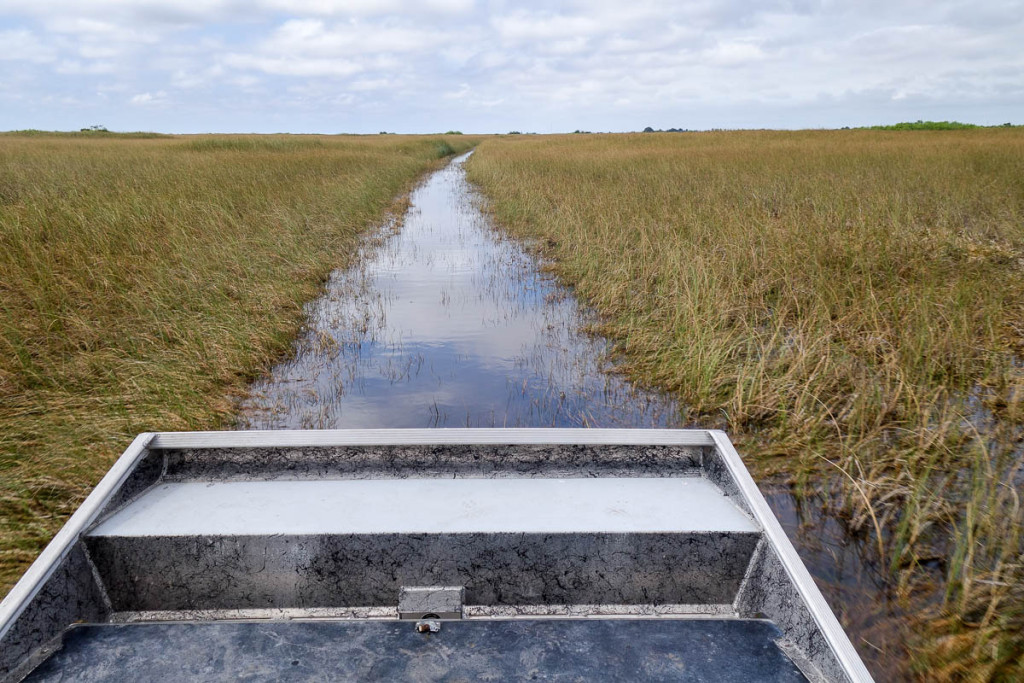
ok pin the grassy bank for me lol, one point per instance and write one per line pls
(143, 281)
(849, 305)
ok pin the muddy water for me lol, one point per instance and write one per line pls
(444, 323)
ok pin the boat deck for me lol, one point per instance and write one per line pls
(498, 650)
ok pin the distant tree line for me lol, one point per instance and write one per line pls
(906, 125)
(648, 129)
(926, 125)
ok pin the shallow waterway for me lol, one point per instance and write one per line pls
(444, 322)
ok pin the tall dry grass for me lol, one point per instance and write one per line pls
(143, 281)
(849, 304)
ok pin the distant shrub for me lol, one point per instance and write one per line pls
(454, 132)
(927, 125)
(648, 129)
(443, 149)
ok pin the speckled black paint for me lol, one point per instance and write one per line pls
(558, 460)
(768, 591)
(564, 650)
(233, 572)
(69, 595)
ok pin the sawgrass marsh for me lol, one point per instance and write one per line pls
(849, 305)
(145, 280)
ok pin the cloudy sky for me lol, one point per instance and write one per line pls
(364, 66)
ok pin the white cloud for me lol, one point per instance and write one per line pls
(77, 68)
(734, 54)
(367, 7)
(164, 13)
(100, 51)
(24, 45)
(370, 84)
(538, 28)
(245, 81)
(137, 12)
(289, 66)
(314, 37)
(310, 47)
(460, 94)
(593, 64)
(147, 99)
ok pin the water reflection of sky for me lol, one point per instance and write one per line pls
(447, 324)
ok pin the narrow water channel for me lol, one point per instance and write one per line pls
(445, 323)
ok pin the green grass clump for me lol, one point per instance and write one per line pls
(848, 304)
(442, 148)
(143, 282)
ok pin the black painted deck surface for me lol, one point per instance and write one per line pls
(564, 650)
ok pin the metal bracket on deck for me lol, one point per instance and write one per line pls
(431, 602)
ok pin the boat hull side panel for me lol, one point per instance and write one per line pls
(285, 571)
(70, 594)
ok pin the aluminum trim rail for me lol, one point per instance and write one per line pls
(296, 438)
(798, 574)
